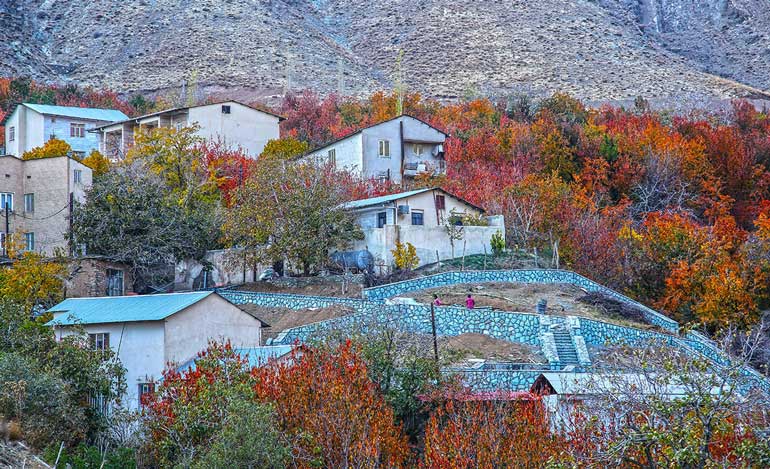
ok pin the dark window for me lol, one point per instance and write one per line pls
(225, 109)
(417, 218)
(114, 282)
(100, 341)
(11, 134)
(382, 219)
(145, 389)
(77, 130)
(440, 202)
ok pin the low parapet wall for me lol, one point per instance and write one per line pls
(514, 276)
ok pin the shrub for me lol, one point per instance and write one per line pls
(497, 242)
(53, 148)
(405, 256)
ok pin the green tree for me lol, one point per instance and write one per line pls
(286, 148)
(292, 211)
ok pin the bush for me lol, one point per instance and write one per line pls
(53, 148)
(498, 243)
(405, 256)
(89, 457)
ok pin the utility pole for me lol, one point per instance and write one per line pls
(433, 326)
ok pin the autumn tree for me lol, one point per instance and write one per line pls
(53, 148)
(288, 210)
(31, 280)
(98, 163)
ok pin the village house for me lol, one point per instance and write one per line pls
(30, 126)
(147, 332)
(395, 150)
(424, 218)
(91, 276)
(234, 124)
(39, 195)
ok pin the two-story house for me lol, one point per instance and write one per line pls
(234, 124)
(150, 331)
(422, 217)
(29, 126)
(38, 196)
(394, 150)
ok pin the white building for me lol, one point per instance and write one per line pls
(147, 332)
(421, 217)
(234, 124)
(29, 126)
(394, 150)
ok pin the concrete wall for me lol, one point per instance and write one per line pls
(50, 180)
(226, 267)
(244, 127)
(348, 154)
(29, 128)
(59, 127)
(213, 318)
(139, 346)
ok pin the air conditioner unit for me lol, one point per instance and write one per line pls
(403, 210)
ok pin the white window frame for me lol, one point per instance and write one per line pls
(384, 148)
(417, 149)
(77, 130)
(29, 241)
(101, 340)
(29, 202)
(77, 176)
(4, 197)
(11, 133)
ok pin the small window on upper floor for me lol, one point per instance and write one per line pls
(99, 341)
(332, 157)
(385, 148)
(11, 134)
(77, 130)
(77, 176)
(29, 241)
(418, 217)
(225, 109)
(417, 149)
(6, 199)
(29, 203)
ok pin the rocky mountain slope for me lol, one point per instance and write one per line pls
(597, 50)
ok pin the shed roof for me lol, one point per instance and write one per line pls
(256, 356)
(87, 113)
(110, 309)
(601, 383)
(384, 199)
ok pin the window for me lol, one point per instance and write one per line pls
(417, 217)
(417, 149)
(385, 148)
(382, 219)
(145, 389)
(114, 282)
(332, 157)
(11, 134)
(77, 176)
(440, 202)
(2, 241)
(6, 200)
(99, 341)
(29, 203)
(77, 130)
(29, 241)
(225, 109)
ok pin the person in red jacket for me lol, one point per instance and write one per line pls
(470, 302)
(436, 301)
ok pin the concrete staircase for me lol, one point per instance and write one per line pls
(565, 348)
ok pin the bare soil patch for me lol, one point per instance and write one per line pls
(305, 286)
(473, 345)
(562, 299)
(280, 319)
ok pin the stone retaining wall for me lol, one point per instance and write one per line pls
(513, 276)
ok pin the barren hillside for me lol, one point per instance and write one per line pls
(597, 50)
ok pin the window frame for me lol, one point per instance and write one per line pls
(421, 214)
(384, 148)
(331, 156)
(382, 216)
(93, 340)
(6, 196)
(77, 130)
(417, 149)
(12, 133)
(144, 388)
(440, 202)
(77, 176)
(226, 109)
(112, 274)
(29, 202)
(29, 241)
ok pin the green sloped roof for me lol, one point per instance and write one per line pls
(88, 113)
(109, 309)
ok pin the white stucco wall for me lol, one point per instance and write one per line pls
(138, 345)
(244, 127)
(213, 318)
(29, 128)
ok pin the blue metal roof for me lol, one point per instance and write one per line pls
(88, 113)
(256, 356)
(109, 309)
(382, 199)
